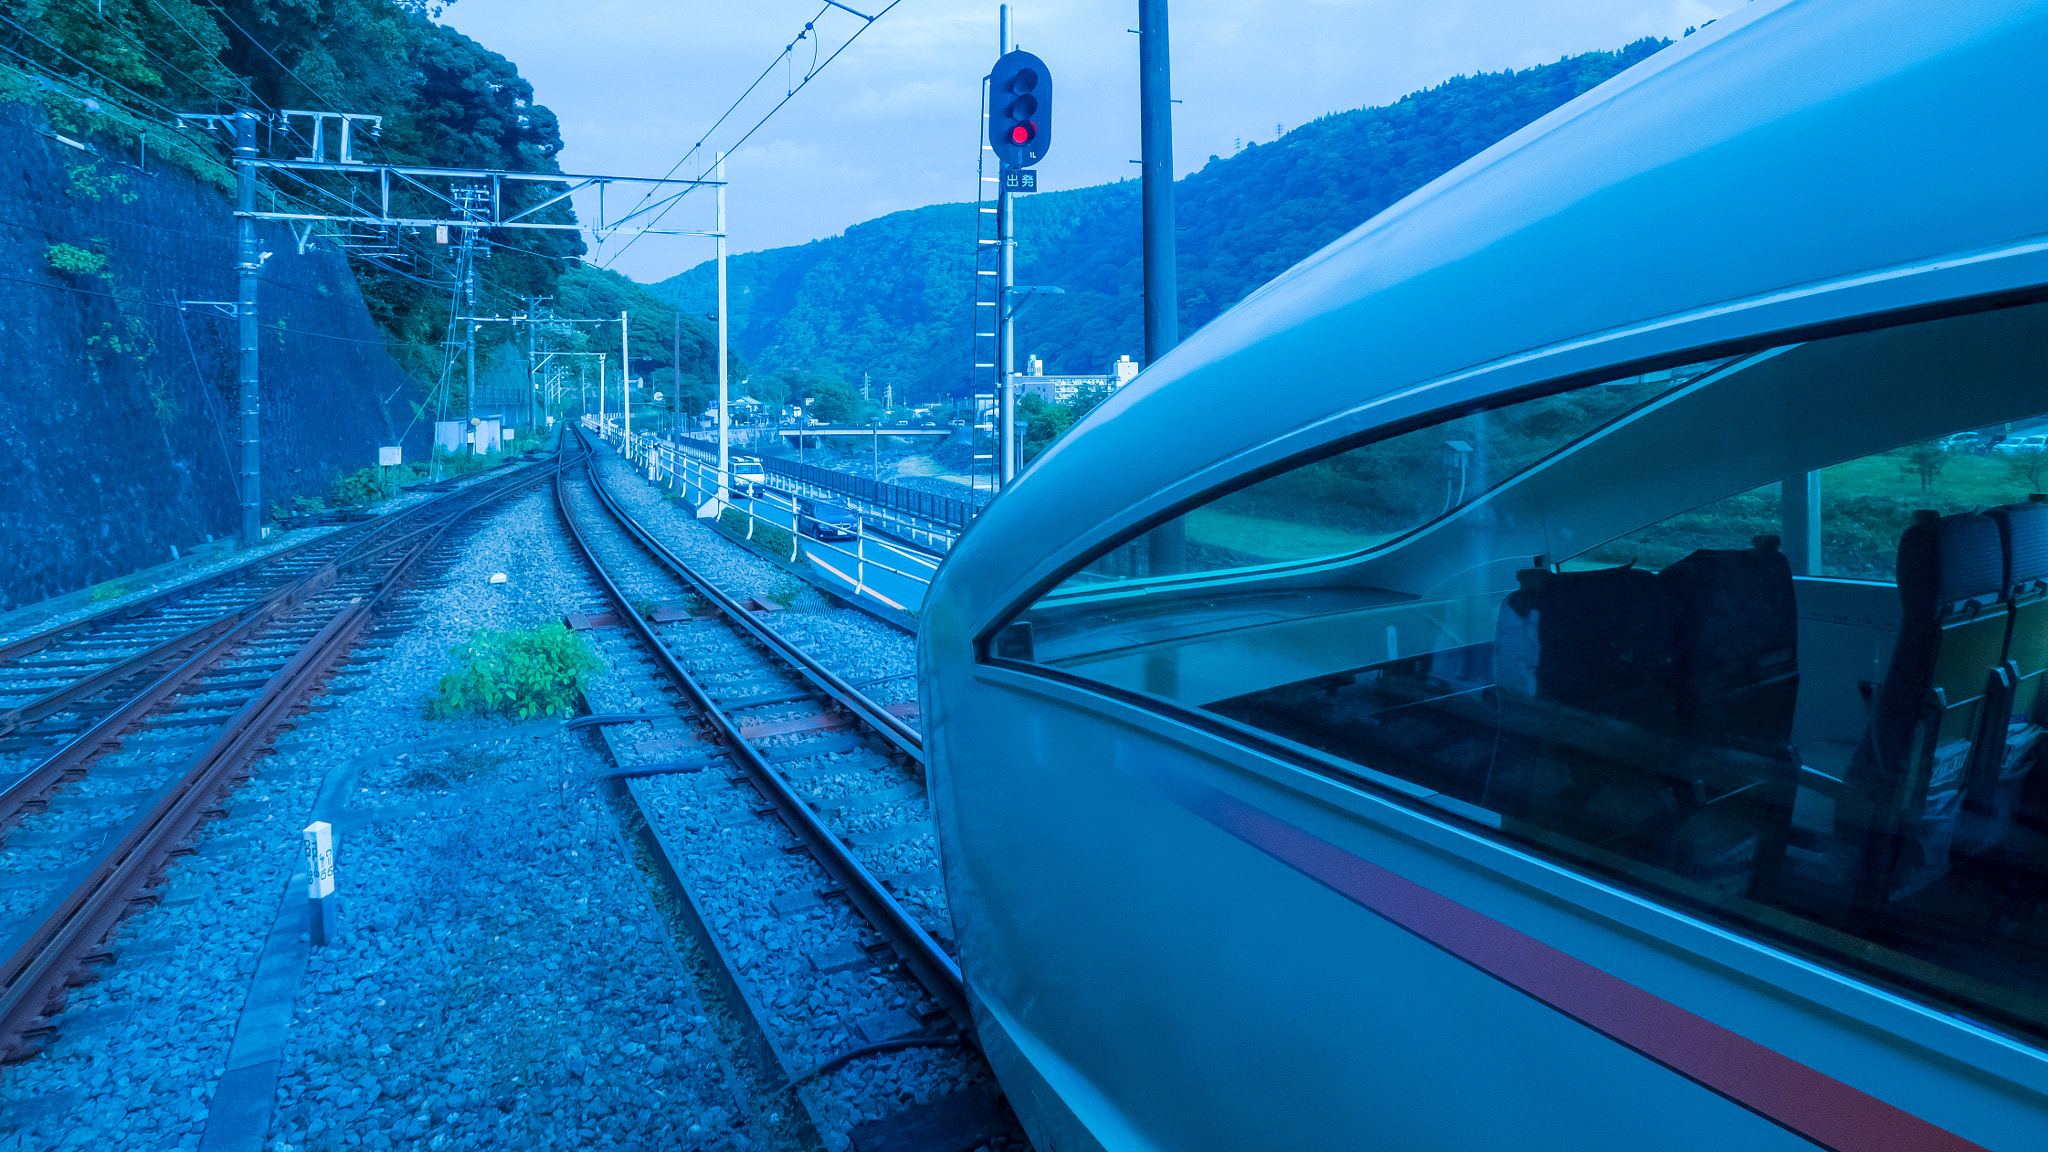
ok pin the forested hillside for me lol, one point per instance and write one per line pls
(112, 71)
(893, 297)
(120, 417)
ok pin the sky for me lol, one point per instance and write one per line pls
(894, 121)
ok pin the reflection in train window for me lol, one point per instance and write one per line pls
(1766, 638)
(1351, 501)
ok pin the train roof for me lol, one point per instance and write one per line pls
(1795, 165)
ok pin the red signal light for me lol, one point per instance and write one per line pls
(1019, 110)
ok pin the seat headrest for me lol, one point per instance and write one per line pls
(1946, 562)
(2023, 530)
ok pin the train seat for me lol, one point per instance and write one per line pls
(1735, 645)
(1582, 665)
(1735, 676)
(1598, 641)
(1895, 821)
(1998, 783)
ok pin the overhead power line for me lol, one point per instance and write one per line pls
(796, 86)
(310, 90)
(82, 64)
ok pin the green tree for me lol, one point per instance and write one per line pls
(2027, 466)
(1924, 460)
(835, 403)
(444, 99)
(1044, 422)
(584, 292)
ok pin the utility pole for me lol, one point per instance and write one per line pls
(536, 403)
(724, 415)
(600, 394)
(1006, 279)
(1155, 131)
(469, 336)
(675, 371)
(245, 322)
(626, 385)
(477, 194)
(1167, 543)
(467, 199)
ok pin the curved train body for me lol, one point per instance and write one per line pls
(1540, 674)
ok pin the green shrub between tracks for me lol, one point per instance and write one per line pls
(521, 674)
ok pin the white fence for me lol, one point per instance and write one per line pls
(873, 566)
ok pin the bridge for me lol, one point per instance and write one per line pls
(942, 430)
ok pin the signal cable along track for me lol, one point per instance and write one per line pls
(152, 760)
(756, 729)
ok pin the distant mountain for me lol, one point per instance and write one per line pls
(893, 297)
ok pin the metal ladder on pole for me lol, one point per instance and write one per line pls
(988, 255)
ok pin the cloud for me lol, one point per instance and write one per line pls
(894, 123)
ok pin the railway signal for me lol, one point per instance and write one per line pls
(1020, 109)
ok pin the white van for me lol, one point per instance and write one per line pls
(749, 476)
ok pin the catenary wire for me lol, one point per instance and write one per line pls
(815, 71)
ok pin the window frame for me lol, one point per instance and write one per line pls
(992, 620)
(1798, 938)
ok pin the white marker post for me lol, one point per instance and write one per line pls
(319, 839)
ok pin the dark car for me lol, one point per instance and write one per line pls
(823, 521)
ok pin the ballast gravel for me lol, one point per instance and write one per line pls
(501, 978)
(797, 955)
(879, 659)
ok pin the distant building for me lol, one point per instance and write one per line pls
(1063, 389)
(745, 409)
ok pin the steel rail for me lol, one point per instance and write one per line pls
(237, 622)
(57, 699)
(347, 542)
(39, 964)
(54, 767)
(929, 963)
(902, 735)
(136, 609)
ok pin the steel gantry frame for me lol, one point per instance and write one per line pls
(460, 192)
(408, 179)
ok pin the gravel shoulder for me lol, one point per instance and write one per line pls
(874, 657)
(503, 978)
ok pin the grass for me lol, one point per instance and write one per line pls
(520, 674)
(76, 261)
(455, 465)
(372, 485)
(767, 537)
(1965, 481)
(1865, 505)
(1270, 539)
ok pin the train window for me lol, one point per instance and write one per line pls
(1359, 499)
(1767, 638)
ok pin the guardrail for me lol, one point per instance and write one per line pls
(934, 506)
(892, 572)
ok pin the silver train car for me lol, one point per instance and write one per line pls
(1563, 666)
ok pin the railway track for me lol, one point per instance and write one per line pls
(49, 680)
(142, 720)
(789, 809)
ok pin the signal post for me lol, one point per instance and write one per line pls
(1020, 132)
